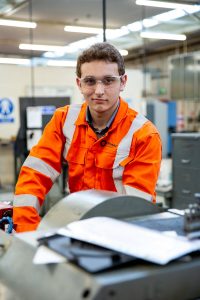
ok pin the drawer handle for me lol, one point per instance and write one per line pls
(185, 161)
(197, 195)
(186, 192)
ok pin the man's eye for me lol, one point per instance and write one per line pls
(108, 80)
(89, 81)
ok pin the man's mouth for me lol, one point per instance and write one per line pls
(98, 99)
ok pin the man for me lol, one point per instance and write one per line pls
(107, 145)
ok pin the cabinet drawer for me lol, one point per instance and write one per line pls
(182, 202)
(186, 182)
(186, 152)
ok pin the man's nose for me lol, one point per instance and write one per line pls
(99, 89)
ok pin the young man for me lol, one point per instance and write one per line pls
(107, 145)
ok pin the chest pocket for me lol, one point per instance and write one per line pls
(105, 160)
(77, 156)
(76, 167)
(112, 166)
(114, 162)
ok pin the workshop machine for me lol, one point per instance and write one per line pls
(21, 279)
(6, 212)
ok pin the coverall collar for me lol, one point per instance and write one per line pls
(120, 114)
(101, 132)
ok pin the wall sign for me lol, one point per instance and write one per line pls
(6, 110)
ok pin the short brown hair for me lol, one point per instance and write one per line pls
(101, 51)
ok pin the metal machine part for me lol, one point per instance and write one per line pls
(192, 220)
(65, 281)
(6, 212)
(92, 203)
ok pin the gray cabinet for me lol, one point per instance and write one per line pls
(185, 169)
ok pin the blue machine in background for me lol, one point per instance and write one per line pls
(163, 115)
(171, 125)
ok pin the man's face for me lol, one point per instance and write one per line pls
(101, 96)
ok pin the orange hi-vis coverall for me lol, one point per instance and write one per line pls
(125, 160)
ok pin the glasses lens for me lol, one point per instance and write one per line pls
(89, 81)
(107, 81)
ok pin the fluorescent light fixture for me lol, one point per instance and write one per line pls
(163, 4)
(112, 34)
(14, 61)
(11, 6)
(164, 17)
(149, 23)
(54, 54)
(170, 15)
(61, 63)
(74, 47)
(22, 24)
(124, 30)
(163, 36)
(136, 26)
(80, 29)
(123, 52)
(40, 47)
(139, 25)
(193, 68)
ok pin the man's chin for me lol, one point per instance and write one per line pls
(100, 108)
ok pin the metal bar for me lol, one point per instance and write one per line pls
(104, 19)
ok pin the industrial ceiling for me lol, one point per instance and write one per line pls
(52, 16)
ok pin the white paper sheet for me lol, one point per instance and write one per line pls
(130, 239)
(45, 255)
(34, 116)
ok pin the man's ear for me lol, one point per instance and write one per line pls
(78, 82)
(123, 82)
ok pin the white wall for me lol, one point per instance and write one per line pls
(15, 82)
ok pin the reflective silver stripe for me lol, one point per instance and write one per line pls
(119, 185)
(138, 193)
(125, 144)
(69, 125)
(26, 200)
(123, 151)
(42, 167)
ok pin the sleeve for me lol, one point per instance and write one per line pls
(38, 173)
(142, 169)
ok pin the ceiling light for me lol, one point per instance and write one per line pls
(8, 7)
(163, 36)
(123, 52)
(124, 30)
(81, 29)
(74, 47)
(193, 68)
(163, 4)
(170, 15)
(54, 54)
(23, 24)
(139, 25)
(61, 63)
(14, 61)
(40, 47)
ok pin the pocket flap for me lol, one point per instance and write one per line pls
(77, 155)
(105, 161)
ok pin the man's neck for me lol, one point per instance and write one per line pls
(99, 119)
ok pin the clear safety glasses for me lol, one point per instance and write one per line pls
(107, 81)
